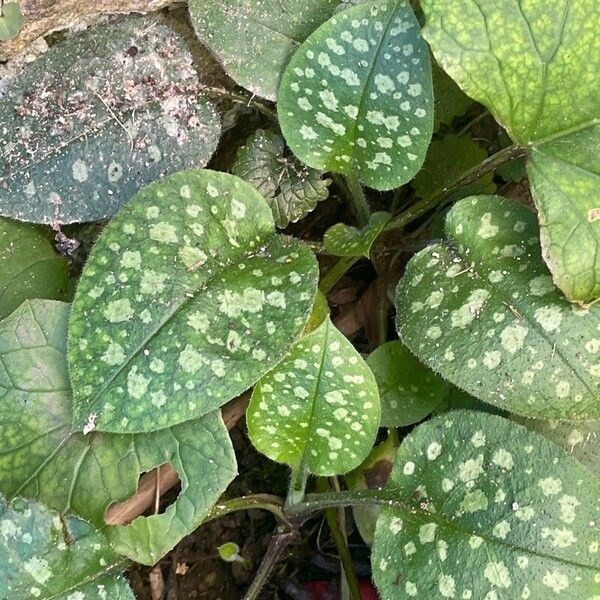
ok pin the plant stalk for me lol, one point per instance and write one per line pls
(336, 272)
(359, 200)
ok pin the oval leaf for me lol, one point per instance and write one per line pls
(484, 313)
(408, 390)
(30, 266)
(344, 240)
(357, 97)
(187, 298)
(291, 188)
(487, 509)
(47, 555)
(318, 410)
(99, 116)
(540, 83)
(67, 471)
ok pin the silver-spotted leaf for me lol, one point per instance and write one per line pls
(188, 297)
(318, 410)
(67, 471)
(51, 556)
(357, 96)
(255, 40)
(31, 268)
(408, 390)
(540, 82)
(96, 118)
(291, 188)
(344, 240)
(483, 312)
(487, 509)
(11, 20)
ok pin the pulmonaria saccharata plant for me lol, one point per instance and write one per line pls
(468, 448)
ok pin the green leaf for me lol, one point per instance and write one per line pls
(318, 410)
(446, 161)
(67, 471)
(357, 96)
(539, 82)
(255, 40)
(487, 509)
(408, 390)
(46, 555)
(483, 312)
(11, 21)
(30, 266)
(344, 240)
(291, 188)
(187, 299)
(449, 100)
(97, 117)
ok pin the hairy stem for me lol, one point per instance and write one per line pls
(240, 98)
(359, 200)
(273, 504)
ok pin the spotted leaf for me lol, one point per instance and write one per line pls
(67, 471)
(344, 240)
(318, 410)
(487, 509)
(49, 555)
(291, 188)
(408, 390)
(11, 20)
(188, 297)
(30, 266)
(540, 84)
(357, 97)
(97, 117)
(255, 40)
(483, 312)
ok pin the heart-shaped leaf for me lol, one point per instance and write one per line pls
(408, 390)
(318, 410)
(487, 509)
(11, 21)
(255, 40)
(291, 188)
(357, 96)
(540, 83)
(483, 312)
(343, 240)
(50, 556)
(187, 299)
(30, 266)
(97, 117)
(67, 471)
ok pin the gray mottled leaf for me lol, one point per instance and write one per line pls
(344, 240)
(357, 96)
(487, 510)
(291, 188)
(67, 471)
(50, 556)
(318, 410)
(482, 311)
(96, 118)
(188, 297)
(30, 266)
(255, 40)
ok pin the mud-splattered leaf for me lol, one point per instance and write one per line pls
(483, 312)
(318, 410)
(446, 161)
(187, 299)
(11, 20)
(255, 40)
(291, 188)
(96, 118)
(345, 240)
(67, 471)
(30, 266)
(48, 555)
(408, 390)
(489, 510)
(540, 82)
(357, 97)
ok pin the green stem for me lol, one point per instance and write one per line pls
(273, 504)
(359, 200)
(297, 486)
(241, 99)
(489, 164)
(337, 272)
